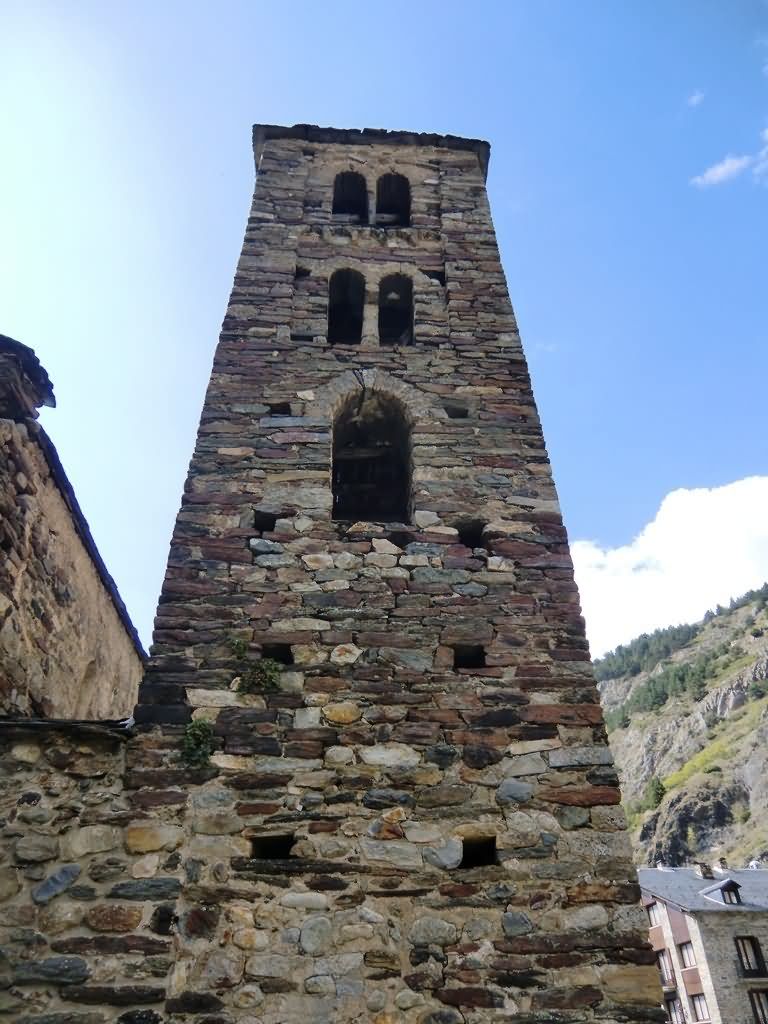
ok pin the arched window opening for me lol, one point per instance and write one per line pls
(346, 297)
(396, 310)
(350, 198)
(371, 460)
(393, 201)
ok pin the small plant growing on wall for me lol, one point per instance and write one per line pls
(255, 675)
(197, 743)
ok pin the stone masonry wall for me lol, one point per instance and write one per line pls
(379, 835)
(65, 652)
(725, 989)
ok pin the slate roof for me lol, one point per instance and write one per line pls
(686, 889)
(32, 367)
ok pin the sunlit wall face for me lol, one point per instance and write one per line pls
(124, 177)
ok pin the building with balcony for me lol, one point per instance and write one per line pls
(709, 931)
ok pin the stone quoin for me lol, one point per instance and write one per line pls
(369, 779)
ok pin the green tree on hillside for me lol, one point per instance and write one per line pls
(654, 793)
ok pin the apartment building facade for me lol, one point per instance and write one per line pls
(709, 931)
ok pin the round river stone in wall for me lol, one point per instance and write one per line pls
(316, 934)
(343, 713)
(446, 856)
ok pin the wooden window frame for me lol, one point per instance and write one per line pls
(664, 963)
(654, 911)
(695, 1006)
(675, 1011)
(758, 1000)
(690, 952)
(756, 955)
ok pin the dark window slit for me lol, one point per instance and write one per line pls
(264, 522)
(471, 532)
(479, 852)
(469, 656)
(272, 847)
(278, 652)
(455, 411)
(279, 408)
(435, 275)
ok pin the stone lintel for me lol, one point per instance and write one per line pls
(24, 728)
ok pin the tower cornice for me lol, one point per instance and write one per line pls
(368, 137)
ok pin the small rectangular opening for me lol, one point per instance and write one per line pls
(272, 847)
(455, 411)
(469, 656)
(279, 408)
(399, 537)
(301, 272)
(264, 522)
(470, 532)
(278, 652)
(435, 275)
(478, 852)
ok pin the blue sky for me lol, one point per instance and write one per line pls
(628, 181)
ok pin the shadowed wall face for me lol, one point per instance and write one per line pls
(67, 647)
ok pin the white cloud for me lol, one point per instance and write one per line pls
(729, 167)
(704, 547)
(760, 169)
(732, 166)
(695, 98)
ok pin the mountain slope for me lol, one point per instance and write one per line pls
(687, 713)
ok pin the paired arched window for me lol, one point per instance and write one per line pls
(350, 197)
(393, 199)
(371, 460)
(346, 304)
(346, 299)
(396, 310)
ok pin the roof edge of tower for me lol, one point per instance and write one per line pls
(369, 136)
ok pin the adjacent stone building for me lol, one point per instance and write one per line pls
(709, 930)
(369, 779)
(67, 646)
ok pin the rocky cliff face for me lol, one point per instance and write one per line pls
(696, 721)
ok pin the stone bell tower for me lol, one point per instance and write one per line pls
(400, 805)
